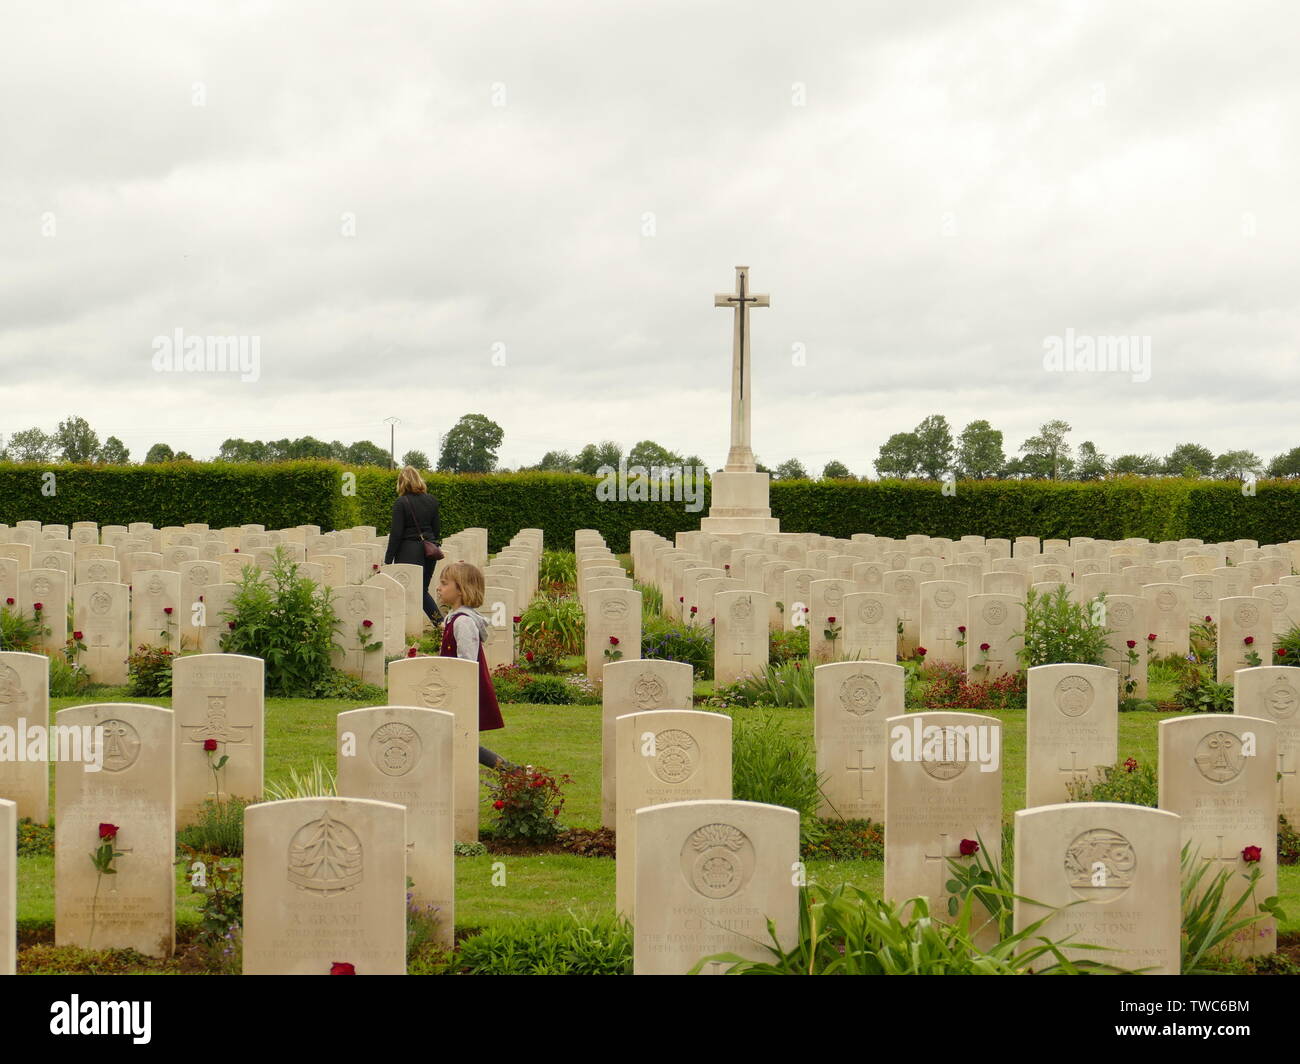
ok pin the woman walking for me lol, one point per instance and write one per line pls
(415, 518)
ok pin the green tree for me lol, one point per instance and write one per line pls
(1091, 464)
(979, 451)
(836, 470)
(790, 469)
(1049, 451)
(235, 450)
(1286, 465)
(30, 445)
(416, 459)
(182, 456)
(113, 452)
(310, 447)
(1144, 465)
(76, 440)
(471, 446)
(899, 455)
(1238, 464)
(1199, 458)
(364, 452)
(595, 455)
(159, 452)
(935, 450)
(557, 462)
(651, 456)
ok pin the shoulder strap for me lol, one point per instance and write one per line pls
(415, 520)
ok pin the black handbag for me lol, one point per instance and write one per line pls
(431, 549)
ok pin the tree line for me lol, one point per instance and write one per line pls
(930, 451)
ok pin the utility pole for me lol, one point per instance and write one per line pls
(392, 423)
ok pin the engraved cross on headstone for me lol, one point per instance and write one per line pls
(861, 768)
(740, 459)
(1229, 859)
(1073, 767)
(1283, 772)
(942, 859)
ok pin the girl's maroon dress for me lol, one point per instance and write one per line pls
(489, 712)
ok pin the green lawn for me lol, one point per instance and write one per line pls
(565, 739)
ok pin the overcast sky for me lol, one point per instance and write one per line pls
(928, 191)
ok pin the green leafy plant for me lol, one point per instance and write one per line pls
(847, 840)
(528, 802)
(67, 678)
(1287, 651)
(18, 632)
(1288, 843)
(1058, 631)
(847, 931)
(557, 944)
(652, 601)
(289, 623)
(582, 691)
(562, 617)
(557, 567)
(35, 839)
(790, 684)
(1201, 694)
(220, 913)
(773, 765)
(783, 646)
(1129, 783)
(546, 691)
(541, 650)
(674, 641)
(149, 672)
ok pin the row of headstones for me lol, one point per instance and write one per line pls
(511, 581)
(190, 606)
(759, 562)
(659, 756)
(420, 751)
(953, 622)
(611, 606)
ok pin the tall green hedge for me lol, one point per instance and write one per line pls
(294, 493)
(174, 493)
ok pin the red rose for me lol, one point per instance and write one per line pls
(726, 567)
(167, 610)
(236, 550)
(680, 598)
(517, 620)
(1281, 652)
(1248, 640)
(412, 652)
(961, 628)
(695, 609)
(374, 566)
(921, 651)
(108, 831)
(713, 620)
(528, 656)
(1151, 638)
(613, 640)
(9, 602)
(1208, 618)
(969, 847)
(342, 968)
(200, 598)
(367, 624)
(232, 625)
(984, 646)
(498, 804)
(1130, 765)
(557, 811)
(209, 744)
(77, 635)
(1251, 854)
(1132, 643)
(38, 606)
(830, 620)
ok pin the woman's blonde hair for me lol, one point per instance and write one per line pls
(469, 578)
(409, 482)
